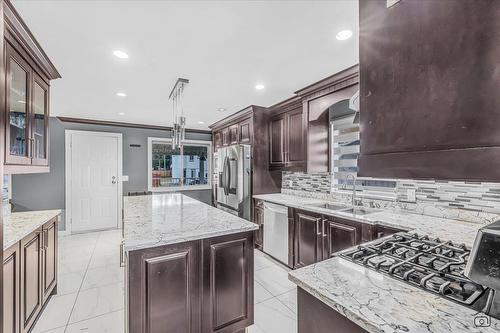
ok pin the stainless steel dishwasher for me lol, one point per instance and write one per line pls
(276, 231)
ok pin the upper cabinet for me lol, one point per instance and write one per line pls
(287, 136)
(429, 90)
(28, 72)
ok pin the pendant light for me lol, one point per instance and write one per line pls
(179, 127)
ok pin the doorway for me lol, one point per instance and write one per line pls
(93, 180)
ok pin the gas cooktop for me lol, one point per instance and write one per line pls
(423, 262)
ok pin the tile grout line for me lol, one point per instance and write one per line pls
(81, 284)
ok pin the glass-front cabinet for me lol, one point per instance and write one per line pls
(27, 116)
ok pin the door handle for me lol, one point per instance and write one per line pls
(113, 180)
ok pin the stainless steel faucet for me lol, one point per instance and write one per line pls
(353, 187)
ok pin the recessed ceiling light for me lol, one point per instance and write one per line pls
(221, 109)
(344, 34)
(120, 54)
(121, 94)
(201, 122)
(121, 113)
(259, 86)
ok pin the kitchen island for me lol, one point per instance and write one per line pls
(189, 266)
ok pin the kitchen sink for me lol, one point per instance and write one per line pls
(359, 211)
(330, 206)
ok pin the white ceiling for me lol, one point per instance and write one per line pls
(224, 48)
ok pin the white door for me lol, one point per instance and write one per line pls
(95, 166)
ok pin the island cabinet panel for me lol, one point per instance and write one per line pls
(11, 280)
(31, 279)
(164, 289)
(258, 218)
(228, 283)
(315, 316)
(49, 258)
(308, 238)
(429, 109)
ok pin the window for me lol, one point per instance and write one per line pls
(345, 149)
(187, 167)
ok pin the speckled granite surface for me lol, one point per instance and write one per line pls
(19, 225)
(162, 219)
(379, 303)
(435, 227)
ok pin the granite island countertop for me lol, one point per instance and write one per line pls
(169, 218)
(461, 233)
(16, 226)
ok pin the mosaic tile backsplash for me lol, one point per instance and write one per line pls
(466, 201)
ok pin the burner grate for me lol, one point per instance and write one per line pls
(418, 260)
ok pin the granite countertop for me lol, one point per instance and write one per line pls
(16, 226)
(379, 303)
(461, 233)
(162, 219)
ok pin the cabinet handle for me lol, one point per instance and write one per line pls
(318, 228)
(46, 241)
(122, 257)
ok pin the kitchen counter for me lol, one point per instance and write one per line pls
(461, 233)
(16, 226)
(163, 219)
(379, 303)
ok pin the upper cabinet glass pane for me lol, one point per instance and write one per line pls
(18, 107)
(39, 113)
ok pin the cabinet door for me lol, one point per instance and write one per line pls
(40, 121)
(338, 236)
(164, 289)
(225, 137)
(277, 141)
(258, 218)
(308, 246)
(49, 269)
(228, 283)
(233, 134)
(294, 153)
(11, 279)
(17, 131)
(245, 131)
(217, 139)
(31, 279)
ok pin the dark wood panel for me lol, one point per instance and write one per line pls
(31, 279)
(217, 140)
(228, 283)
(225, 136)
(245, 131)
(233, 134)
(49, 270)
(277, 141)
(164, 289)
(429, 85)
(338, 236)
(295, 136)
(307, 238)
(315, 316)
(258, 218)
(11, 280)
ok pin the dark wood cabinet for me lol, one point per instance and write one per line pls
(49, 259)
(245, 131)
(258, 218)
(233, 134)
(11, 289)
(31, 279)
(28, 72)
(308, 238)
(225, 137)
(432, 110)
(217, 139)
(286, 139)
(339, 234)
(228, 283)
(192, 287)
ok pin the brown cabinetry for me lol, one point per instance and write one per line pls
(245, 131)
(225, 137)
(258, 218)
(28, 72)
(198, 286)
(432, 110)
(30, 277)
(286, 139)
(233, 134)
(217, 140)
(11, 282)
(339, 234)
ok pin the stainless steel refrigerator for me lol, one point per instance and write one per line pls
(234, 169)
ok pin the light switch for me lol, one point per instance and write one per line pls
(124, 178)
(410, 193)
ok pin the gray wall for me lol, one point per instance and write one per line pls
(46, 191)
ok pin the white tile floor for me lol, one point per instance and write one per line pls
(90, 290)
